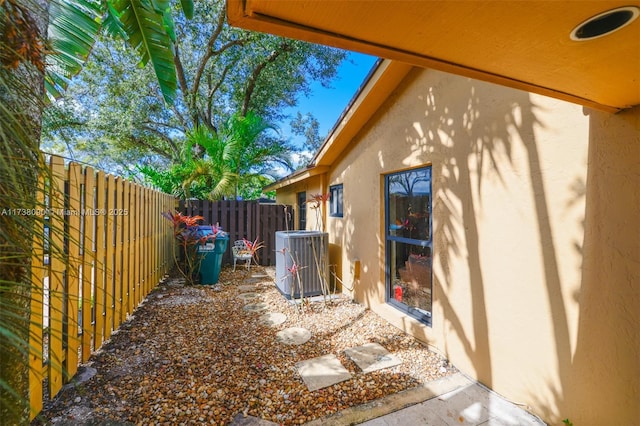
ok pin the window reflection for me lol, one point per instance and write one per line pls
(409, 254)
(409, 204)
(411, 276)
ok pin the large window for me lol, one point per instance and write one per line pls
(408, 241)
(335, 201)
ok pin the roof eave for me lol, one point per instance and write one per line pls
(295, 177)
(376, 89)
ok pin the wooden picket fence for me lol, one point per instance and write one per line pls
(105, 247)
(244, 219)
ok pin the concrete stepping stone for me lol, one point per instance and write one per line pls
(273, 318)
(248, 296)
(242, 420)
(255, 307)
(293, 336)
(246, 288)
(372, 357)
(322, 372)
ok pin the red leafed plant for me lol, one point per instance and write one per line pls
(188, 235)
(293, 271)
(253, 247)
(316, 201)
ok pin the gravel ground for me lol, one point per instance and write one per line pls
(192, 355)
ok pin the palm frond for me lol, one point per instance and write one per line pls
(247, 127)
(169, 25)
(73, 27)
(161, 4)
(199, 169)
(187, 8)
(232, 148)
(197, 136)
(164, 7)
(112, 24)
(147, 35)
(225, 186)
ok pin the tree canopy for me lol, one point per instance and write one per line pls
(114, 112)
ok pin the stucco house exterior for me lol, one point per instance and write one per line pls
(498, 223)
(530, 233)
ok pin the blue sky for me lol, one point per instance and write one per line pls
(326, 104)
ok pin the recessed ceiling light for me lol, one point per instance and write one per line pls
(605, 23)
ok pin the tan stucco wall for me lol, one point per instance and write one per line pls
(311, 186)
(525, 300)
(604, 370)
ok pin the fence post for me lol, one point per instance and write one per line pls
(131, 267)
(260, 231)
(100, 271)
(137, 256)
(88, 264)
(56, 284)
(126, 282)
(109, 266)
(37, 297)
(73, 267)
(119, 218)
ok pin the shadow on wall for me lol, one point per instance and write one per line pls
(466, 130)
(469, 143)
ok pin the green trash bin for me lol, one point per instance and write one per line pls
(211, 260)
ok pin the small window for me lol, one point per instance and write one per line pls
(335, 202)
(302, 210)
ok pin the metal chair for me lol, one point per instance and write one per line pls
(241, 252)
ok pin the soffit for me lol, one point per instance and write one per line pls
(519, 44)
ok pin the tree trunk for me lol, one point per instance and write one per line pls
(21, 94)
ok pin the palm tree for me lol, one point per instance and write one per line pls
(203, 158)
(233, 159)
(21, 61)
(25, 71)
